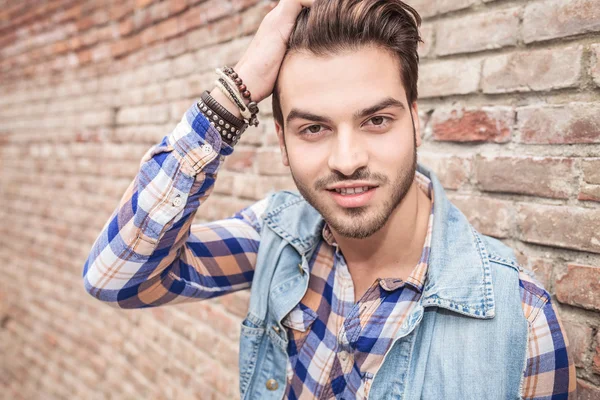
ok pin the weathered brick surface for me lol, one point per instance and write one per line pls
(508, 107)
(580, 286)
(489, 216)
(540, 176)
(494, 30)
(580, 337)
(595, 65)
(443, 78)
(572, 123)
(561, 226)
(558, 18)
(587, 391)
(452, 171)
(493, 124)
(532, 70)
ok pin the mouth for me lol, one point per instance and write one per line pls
(352, 197)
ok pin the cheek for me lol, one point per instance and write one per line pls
(308, 160)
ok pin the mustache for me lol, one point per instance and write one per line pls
(362, 174)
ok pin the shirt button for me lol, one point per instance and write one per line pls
(177, 201)
(206, 148)
(301, 269)
(276, 328)
(272, 384)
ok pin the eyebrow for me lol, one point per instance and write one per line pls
(385, 103)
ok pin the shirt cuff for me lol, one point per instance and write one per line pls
(197, 141)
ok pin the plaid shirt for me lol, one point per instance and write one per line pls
(149, 253)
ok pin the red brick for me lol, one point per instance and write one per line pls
(489, 216)
(126, 27)
(539, 176)
(494, 30)
(561, 124)
(580, 286)
(587, 391)
(558, 18)
(224, 183)
(240, 160)
(544, 271)
(159, 11)
(143, 3)
(579, 336)
(167, 29)
(176, 6)
(255, 187)
(219, 207)
(532, 70)
(270, 163)
(595, 65)
(452, 171)
(425, 8)
(591, 170)
(237, 303)
(561, 226)
(443, 78)
(589, 192)
(493, 124)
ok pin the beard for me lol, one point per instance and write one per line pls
(360, 222)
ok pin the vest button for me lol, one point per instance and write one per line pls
(272, 384)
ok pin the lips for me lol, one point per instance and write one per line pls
(351, 197)
(353, 190)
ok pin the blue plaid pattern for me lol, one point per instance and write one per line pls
(150, 254)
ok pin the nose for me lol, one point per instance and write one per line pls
(348, 152)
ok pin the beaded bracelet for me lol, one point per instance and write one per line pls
(231, 79)
(252, 106)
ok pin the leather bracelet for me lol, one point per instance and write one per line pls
(229, 134)
(222, 111)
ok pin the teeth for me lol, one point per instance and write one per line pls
(346, 191)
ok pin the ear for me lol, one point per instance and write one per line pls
(284, 156)
(414, 109)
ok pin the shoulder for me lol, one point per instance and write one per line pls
(534, 295)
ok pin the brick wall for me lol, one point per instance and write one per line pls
(509, 92)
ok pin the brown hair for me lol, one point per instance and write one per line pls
(330, 26)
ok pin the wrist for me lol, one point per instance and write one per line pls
(225, 102)
(252, 83)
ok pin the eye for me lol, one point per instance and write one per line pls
(379, 121)
(311, 130)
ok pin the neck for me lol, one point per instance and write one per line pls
(396, 248)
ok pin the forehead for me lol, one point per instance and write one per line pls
(340, 82)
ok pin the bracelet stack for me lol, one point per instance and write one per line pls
(228, 125)
(233, 87)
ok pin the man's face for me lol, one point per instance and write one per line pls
(350, 141)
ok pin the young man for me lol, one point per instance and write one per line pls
(367, 283)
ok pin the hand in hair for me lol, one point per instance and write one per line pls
(260, 64)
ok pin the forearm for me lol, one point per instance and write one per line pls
(141, 242)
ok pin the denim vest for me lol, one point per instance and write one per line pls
(465, 339)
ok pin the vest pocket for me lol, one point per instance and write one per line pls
(251, 336)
